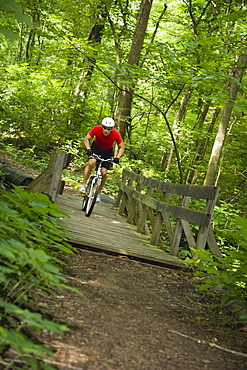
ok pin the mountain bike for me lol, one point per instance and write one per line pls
(93, 186)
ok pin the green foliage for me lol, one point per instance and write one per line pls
(224, 225)
(225, 276)
(29, 239)
(13, 8)
(2, 177)
(31, 157)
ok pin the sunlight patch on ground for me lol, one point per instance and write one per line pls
(107, 219)
(95, 283)
(67, 356)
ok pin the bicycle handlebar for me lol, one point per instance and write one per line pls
(95, 156)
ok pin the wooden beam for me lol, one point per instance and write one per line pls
(49, 181)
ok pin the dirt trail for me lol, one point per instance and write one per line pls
(138, 316)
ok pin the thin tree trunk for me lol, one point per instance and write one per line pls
(94, 38)
(125, 101)
(203, 147)
(237, 73)
(81, 88)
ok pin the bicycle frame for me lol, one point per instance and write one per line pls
(93, 186)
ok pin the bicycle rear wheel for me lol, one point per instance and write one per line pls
(92, 196)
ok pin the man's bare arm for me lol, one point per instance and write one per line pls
(87, 141)
(121, 149)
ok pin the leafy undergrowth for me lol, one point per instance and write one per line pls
(226, 275)
(30, 238)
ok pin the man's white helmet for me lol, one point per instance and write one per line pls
(108, 122)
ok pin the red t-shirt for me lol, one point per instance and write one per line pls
(105, 142)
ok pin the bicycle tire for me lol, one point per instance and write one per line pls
(84, 202)
(85, 197)
(92, 196)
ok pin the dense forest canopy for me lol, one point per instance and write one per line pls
(172, 74)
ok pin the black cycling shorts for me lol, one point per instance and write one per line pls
(103, 153)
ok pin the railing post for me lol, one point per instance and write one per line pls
(142, 220)
(133, 210)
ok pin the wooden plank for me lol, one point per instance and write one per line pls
(106, 230)
(167, 221)
(196, 217)
(157, 229)
(49, 181)
(193, 191)
(142, 224)
(141, 211)
(133, 209)
(168, 226)
(96, 230)
(120, 193)
(204, 229)
(176, 240)
(129, 200)
(123, 204)
(212, 244)
(189, 236)
(119, 197)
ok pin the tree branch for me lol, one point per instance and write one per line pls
(149, 102)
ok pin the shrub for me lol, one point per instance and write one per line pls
(227, 274)
(29, 236)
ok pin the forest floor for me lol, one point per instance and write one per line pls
(135, 316)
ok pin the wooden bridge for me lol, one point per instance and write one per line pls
(147, 212)
(105, 230)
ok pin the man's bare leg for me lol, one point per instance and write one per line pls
(88, 169)
(103, 174)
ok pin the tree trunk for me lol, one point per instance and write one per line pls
(125, 101)
(94, 38)
(237, 73)
(82, 85)
(203, 147)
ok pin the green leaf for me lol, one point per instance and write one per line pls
(65, 249)
(204, 287)
(33, 319)
(203, 254)
(242, 221)
(38, 204)
(6, 252)
(23, 345)
(10, 35)
(10, 5)
(22, 18)
(199, 273)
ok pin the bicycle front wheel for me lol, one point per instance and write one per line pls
(92, 196)
(84, 202)
(85, 197)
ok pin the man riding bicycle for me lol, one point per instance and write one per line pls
(105, 136)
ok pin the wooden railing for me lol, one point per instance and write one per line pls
(160, 208)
